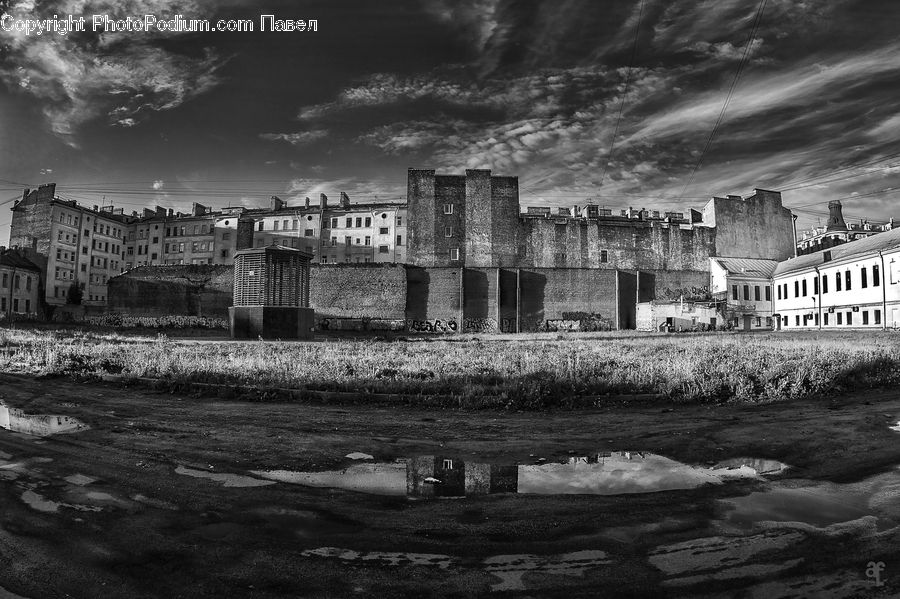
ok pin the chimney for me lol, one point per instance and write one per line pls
(171, 212)
(25, 194)
(323, 201)
(306, 205)
(96, 207)
(275, 203)
(835, 217)
(345, 201)
(198, 209)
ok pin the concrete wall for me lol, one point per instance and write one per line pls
(558, 298)
(191, 290)
(358, 290)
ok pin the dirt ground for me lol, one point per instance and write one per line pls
(120, 509)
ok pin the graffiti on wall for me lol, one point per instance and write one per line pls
(687, 293)
(359, 324)
(433, 326)
(480, 325)
(578, 321)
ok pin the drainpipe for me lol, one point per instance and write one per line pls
(819, 295)
(882, 282)
(794, 217)
(9, 303)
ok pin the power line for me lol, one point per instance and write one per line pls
(612, 145)
(737, 76)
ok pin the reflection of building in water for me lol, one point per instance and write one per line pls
(458, 478)
(16, 420)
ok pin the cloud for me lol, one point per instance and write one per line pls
(297, 139)
(158, 184)
(123, 77)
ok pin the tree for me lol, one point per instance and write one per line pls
(74, 294)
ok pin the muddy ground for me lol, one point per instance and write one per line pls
(126, 509)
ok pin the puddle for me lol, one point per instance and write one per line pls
(227, 479)
(39, 503)
(896, 428)
(39, 425)
(607, 473)
(79, 479)
(357, 455)
(820, 504)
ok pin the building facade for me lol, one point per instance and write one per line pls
(854, 285)
(85, 246)
(837, 231)
(20, 284)
(743, 288)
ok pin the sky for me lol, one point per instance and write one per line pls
(642, 103)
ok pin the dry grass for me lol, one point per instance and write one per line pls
(531, 373)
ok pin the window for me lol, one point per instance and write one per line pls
(334, 223)
(307, 232)
(849, 318)
(224, 253)
(779, 293)
(358, 222)
(260, 228)
(865, 317)
(16, 282)
(275, 226)
(16, 305)
(840, 318)
(804, 287)
(368, 221)
(768, 293)
(815, 285)
(837, 282)
(368, 240)
(284, 225)
(382, 249)
(876, 276)
(448, 208)
(197, 228)
(826, 319)
(877, 314)
(824, 284)
(454, 253)
(155, 240)
(226, 236)
(27, 283)
(797, 320)
(333, 241)
(864, 280)
(348, 240)
(295, 224)
(759, 321)
(349, 223)
(747, 292)
(399, 239)
(383, 230)
(756, 293)
(734, 292)
(399, 221)
(448, 231)
(604, 256)
(847, 281)
(796, 288)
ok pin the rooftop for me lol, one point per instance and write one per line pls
(862, 247)
(748, 266)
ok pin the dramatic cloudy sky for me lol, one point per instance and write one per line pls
(610, 100)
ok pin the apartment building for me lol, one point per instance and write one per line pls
(854, 285)
(86, 247)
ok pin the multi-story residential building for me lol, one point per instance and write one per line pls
(743, 288)
(20, 284)
(852, 285)
(86, 246)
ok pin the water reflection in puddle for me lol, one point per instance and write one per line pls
(820, 504)
(39, 425)
(606, 473)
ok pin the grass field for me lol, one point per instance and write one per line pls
(533, 372)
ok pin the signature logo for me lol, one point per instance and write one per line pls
(873, 571)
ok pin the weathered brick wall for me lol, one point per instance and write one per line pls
(479, 233)
(572, 243)
(572, 294)
(433, 294)
(31, 220)
(421, 218)
(190, 290)
(506, 228)
(481, 299)
(671, 284)
(375, 291)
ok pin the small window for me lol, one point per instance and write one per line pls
(747, 292)
(876, 276)
(768, 293)
(849, 318)
(840, 318)
(756, 293)
(847, 281)
(307, 232)
(803, 285)
(334, 223)
(448, 208)
(734, 292)
(796, 288)
(877, 316)
(604, 256)
(399, 239)
(454, 254)
(368, 221)
(837, 282)
(368, 240)
(261, 225)
(358, 222)
(399, 221)
(779, 293)
(824, 284)
(865, 317)
(349, 223)
(864, 280)
(815, 285)
(448, 231)
(333, 241)
(382, 249)
(383, 231)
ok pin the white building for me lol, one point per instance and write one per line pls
(743, 286)
(852, 285)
